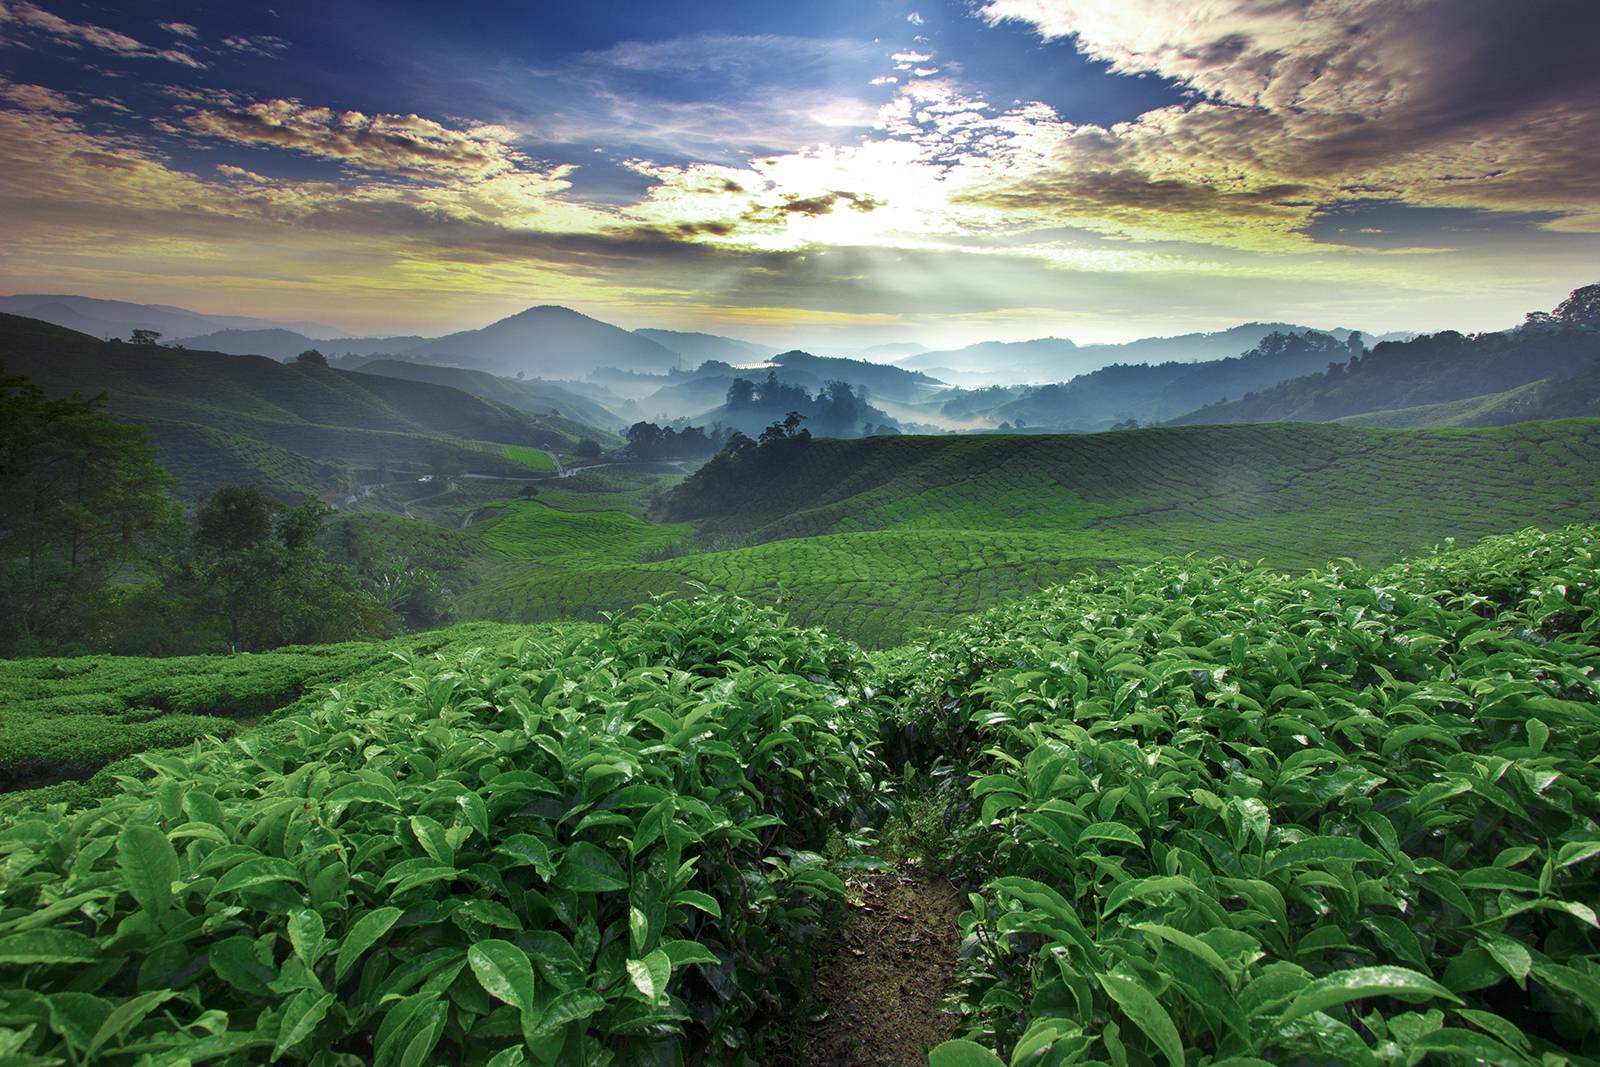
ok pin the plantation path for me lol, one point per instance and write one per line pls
(879, 984)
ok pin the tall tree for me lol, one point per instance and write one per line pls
(83, 497)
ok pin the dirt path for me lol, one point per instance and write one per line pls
(879, 984)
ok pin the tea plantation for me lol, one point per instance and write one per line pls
(1208, 813)
(881, 539)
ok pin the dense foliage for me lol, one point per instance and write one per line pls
(1224, 815)
(588, 846)
(83, 500)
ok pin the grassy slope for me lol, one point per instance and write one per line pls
(1547, 398)
(328, 419)
(580, 416)
(900, 533)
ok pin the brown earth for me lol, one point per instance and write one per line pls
(880, 981)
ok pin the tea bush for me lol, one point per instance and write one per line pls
(1232, 817)
(591, 845)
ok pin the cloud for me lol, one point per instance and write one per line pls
(37, 98)
(260, 45)
(182, 29)
(1471, 103)
(402, 144)
(915, 19)
(77, 34)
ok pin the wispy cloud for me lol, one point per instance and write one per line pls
(79, 34)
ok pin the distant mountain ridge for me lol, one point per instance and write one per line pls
(105, 319)
(284, 345)
(1057, 359)
(1438, 369)
(697, 348)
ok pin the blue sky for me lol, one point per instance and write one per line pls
(848, 172)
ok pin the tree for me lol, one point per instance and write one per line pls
(1581, 308)
(145, 337)
(262, 583)
(84, 502)
(589, 448)
(742, 393)
(233, 518)
(312, 357)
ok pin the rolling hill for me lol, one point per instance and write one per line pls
(284, 345)
(1435, 369)
(550, 400)
(1576, 396)
(697, 348)
(883, 536)
(1054, 359)
(1156, 392)
(105, 319)
(316, 423)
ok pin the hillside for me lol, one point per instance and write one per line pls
(548, 342)
(881, 537)
(332, 419)
(1154, 393)
(1053, 359)
(697, 348)
(1435, 369)
(560, 408)
(284, 345)
(1577, 396)
(105, 319)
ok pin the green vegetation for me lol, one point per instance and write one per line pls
(1222, 812)
(312, 426)
(1210, 812)
(64, 719)
(465, 861)
(1548, 398)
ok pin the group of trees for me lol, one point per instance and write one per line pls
(709, 490)
(647, 441)
(837, 410)
(95, 555)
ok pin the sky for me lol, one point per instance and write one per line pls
(842, 172)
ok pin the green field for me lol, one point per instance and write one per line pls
(1209, 813)
(879, 538)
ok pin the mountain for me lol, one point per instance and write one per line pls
(105, 319)
(296, 429)
(1434, 369)
(1145, 393)
(284, 345)
(697, 348)
(548, 342)
(1054, 359)
(532, 395)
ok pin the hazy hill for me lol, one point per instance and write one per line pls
(532, 395)
(1576, 396)
(696, 348)
(1053, 359)
(105, 319)
(333, 419)
(1438, 368)
(873, 379)
(286, 344)
(548, 342)
(1154, 393)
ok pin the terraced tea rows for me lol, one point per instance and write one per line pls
(882, 537)
(1212, 814)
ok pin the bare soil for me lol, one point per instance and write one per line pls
(880, 981)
